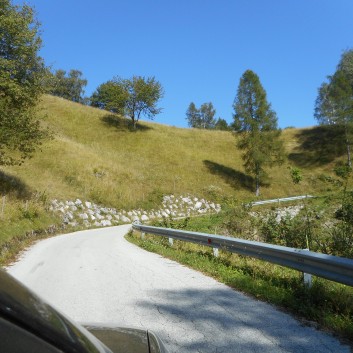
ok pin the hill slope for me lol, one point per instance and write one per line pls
(95, 156)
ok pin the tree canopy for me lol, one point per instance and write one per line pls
(221, 124)
(256, 124)
(135, 97)
(202, 118)
(67, 85)
(21, 82)
(334, 103)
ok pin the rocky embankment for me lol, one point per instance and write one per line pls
(88, 214)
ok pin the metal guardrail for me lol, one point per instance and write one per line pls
(284, 199)
(334, 268)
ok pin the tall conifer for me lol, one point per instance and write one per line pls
(256, 124)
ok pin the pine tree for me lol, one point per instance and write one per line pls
(256, 124)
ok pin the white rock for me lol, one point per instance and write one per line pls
(88, 204)
(144, 218)
(70, 216)
(106, 223)
(198, 205)
(125, 219)
(83, 215)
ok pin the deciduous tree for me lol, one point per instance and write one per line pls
(202, 118)
(67, 85)
(256, 124)
(21, 82)
(193, 116)
(334, 103)
(135, 97)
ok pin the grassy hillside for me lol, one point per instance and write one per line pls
(95, 156)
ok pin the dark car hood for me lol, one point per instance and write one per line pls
(22, 307)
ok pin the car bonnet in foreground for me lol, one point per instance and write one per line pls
(29, 324)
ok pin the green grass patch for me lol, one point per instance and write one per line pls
(22, 222)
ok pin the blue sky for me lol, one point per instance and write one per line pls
(199, 49)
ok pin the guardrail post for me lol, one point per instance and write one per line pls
(307, 278)
(143, 235)
(171, 241)
(215, 252)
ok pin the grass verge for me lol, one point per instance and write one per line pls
(327, 305)
(22, 223)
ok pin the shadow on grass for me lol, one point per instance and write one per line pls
(123, 124)
(233, 177)
(318, 146)
(10, 184)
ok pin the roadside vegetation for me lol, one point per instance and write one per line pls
(326, 305)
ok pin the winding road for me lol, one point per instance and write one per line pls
(96, 276)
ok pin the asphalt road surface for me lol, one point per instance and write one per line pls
(96, 276)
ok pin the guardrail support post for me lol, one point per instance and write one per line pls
(307, 278)
(143, 235)
(171, 241)
(215, 252)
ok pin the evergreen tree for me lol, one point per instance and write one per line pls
(21, 83)
(221, 124)
(256, 124)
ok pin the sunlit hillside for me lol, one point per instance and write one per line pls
(95, 156)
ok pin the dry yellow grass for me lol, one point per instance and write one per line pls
(94, 156)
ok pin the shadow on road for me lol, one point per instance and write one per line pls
(226, 321)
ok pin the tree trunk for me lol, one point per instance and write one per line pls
(133, 120)
(349, 162)
(349, 154)
(257, 179)
(257, 185)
